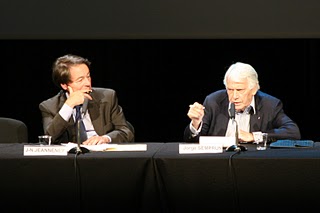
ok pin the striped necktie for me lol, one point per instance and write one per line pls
(80, 128)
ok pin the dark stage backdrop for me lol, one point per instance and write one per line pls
(157, 79)
(159, 19)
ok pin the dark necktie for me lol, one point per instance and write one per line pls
(82, 130)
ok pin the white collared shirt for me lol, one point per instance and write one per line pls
(242, 119)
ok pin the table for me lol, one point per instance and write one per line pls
(160, 180)
(249, 181)
(90, 182)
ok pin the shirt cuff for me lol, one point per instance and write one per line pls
(66, 112)
(194, 131)
(107, 137)
(257, 136)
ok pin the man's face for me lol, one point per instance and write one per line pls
(239, 93)
(80, 77)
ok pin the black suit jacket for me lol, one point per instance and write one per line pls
(106, 115)
(269, 117)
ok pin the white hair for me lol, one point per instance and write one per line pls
(241, 70)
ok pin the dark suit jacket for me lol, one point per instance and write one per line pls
(269, 117)
(106, 115)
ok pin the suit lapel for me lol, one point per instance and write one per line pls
(93, 108)
(256, 119)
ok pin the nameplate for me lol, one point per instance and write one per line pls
(226, 141)
(126, 147)
(41, 150)
(198, 148)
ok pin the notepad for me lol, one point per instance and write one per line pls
(110, 147)
(292, 144)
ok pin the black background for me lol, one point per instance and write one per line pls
(145, 19)
(161, 56)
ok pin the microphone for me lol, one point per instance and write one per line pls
(232, 111)
(79, 149)
(85, 105)
(235, 147)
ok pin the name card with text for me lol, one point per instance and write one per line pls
(198, 148)
(40, 150)
(226, 141)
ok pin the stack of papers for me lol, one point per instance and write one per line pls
(63, 149)
(110, 147)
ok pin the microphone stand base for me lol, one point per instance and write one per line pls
(235, 148)
(78, 150)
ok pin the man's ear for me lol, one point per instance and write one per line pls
(254, 91)
(64, 86)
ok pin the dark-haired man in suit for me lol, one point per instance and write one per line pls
(103, 118)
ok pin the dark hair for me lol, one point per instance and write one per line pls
(61, 67)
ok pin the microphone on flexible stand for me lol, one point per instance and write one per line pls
(85, 106)
(79, 149)
(236, 146)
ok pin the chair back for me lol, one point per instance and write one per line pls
(132, 130)
(13, 131)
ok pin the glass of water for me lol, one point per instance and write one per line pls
(262, 144)
(44, 139)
